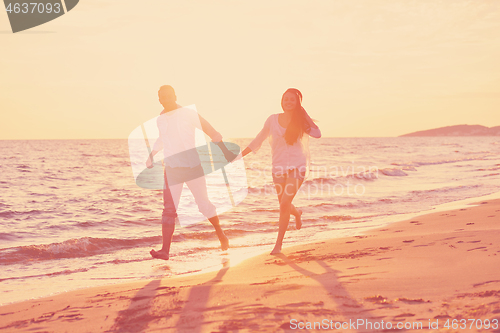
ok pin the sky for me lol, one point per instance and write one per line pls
(371, 68)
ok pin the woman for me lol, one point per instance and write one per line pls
(289, 155)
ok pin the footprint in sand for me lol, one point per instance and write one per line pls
(477, 248)
(168, 288)
(272, 281)
(300, 304)
(403, 315)
(304, 251)
(351, 305)
(411, 301)
(442, 316)
(483, 283)
(378, 299)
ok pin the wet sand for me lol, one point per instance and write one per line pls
(424, 271)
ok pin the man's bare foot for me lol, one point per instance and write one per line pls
(276, 250)
(224, 243)
(159, 254)
(298, 220)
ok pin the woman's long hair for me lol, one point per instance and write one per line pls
(298, 124)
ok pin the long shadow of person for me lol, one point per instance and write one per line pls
(192, 316)
(347, 306)
(137, 316)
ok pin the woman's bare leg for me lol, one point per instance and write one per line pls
(288, 191)
(298, 217)
(297, 213)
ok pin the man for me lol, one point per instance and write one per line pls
(177, 125)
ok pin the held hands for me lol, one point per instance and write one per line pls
(149, 163)
(242, 154)
(229, 155)
(237, 157)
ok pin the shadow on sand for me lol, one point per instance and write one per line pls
(137, 316)
(192, 317)
(347, 306)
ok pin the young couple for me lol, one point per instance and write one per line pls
(177, 125)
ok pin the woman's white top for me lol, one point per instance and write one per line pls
(284, 156)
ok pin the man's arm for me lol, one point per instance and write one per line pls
(216, 138)
(229, 155)
(156, 148)
(209, 130)
(149, 161)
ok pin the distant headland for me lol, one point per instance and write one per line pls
(459, 130)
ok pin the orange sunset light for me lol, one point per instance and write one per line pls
(371, 68)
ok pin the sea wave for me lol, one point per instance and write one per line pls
(319, 181)
(393, 172)
(441, 161)
(268, 189)
(52, 274)
(364, 176)
(327, 207)
(7, 236)
(72, 248)
(13, 213)
(335, 218)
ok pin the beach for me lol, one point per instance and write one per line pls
(435, 272)
(382, 115)
(73, 217)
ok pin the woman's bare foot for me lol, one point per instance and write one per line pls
(276, 250)
(298, 220)
(224, 242)
(159, 254)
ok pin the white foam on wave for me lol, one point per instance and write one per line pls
(393, 172)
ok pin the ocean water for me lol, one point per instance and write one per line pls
(72, 217)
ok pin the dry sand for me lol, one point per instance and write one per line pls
(437, 267)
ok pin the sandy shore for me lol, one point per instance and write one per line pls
(426, 271)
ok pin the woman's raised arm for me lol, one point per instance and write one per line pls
(313, 129)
